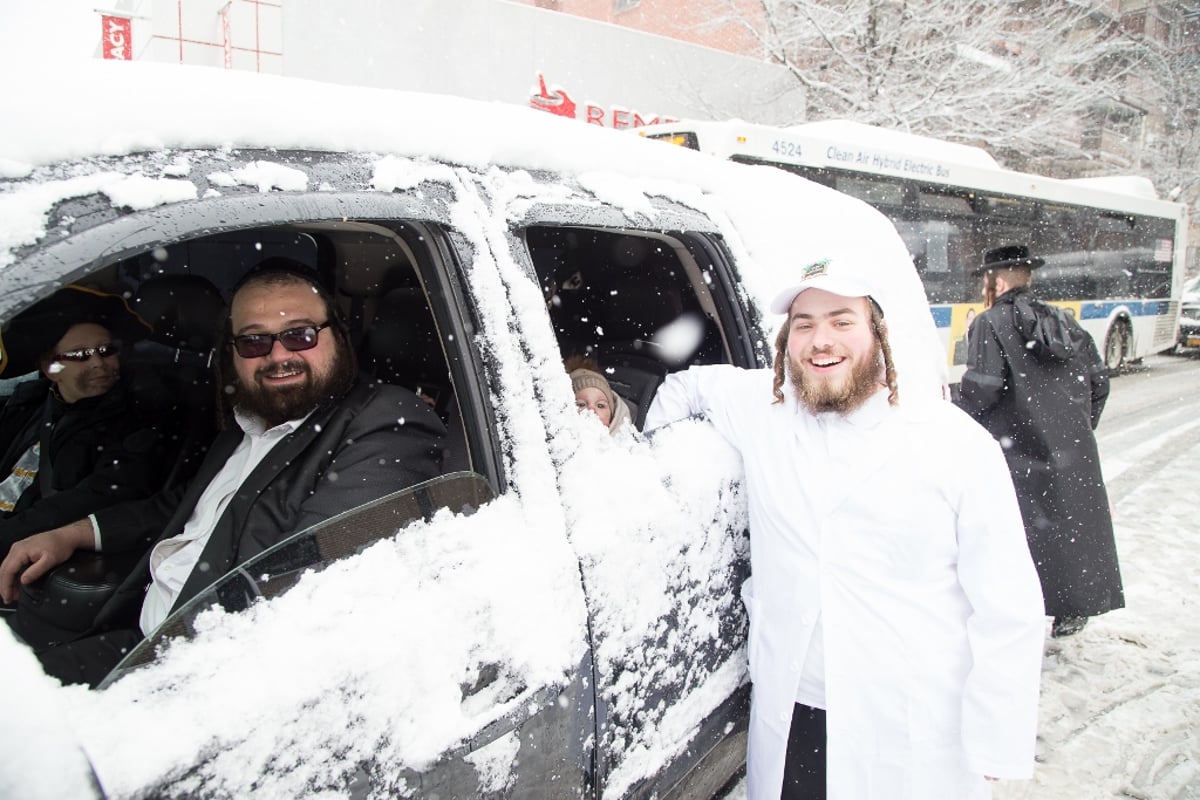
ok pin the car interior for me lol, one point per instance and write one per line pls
(181, 290)
(611, 295)
(373, 274)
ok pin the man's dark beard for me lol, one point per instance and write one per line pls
(278, 405)
(864, 382)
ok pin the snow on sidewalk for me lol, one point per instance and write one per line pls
(1120, 712)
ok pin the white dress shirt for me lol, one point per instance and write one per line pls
(172, 560)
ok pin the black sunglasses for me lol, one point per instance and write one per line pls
(84, 354)
(257, 345)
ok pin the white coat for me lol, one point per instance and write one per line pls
(899, 529)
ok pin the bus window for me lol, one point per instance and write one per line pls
(941, 204)
(878, 193)
(939, 256)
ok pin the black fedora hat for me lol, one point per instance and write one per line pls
(34, 331)
(1008, 257)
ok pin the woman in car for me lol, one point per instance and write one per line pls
(594, 393)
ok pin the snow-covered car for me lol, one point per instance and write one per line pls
(1189, 315)
(556, 616)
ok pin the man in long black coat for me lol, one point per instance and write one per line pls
(1035, 380)
(311, 440)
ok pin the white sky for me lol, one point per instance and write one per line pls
(499, 587)
(62, 29)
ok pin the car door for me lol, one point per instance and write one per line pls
(662, 545)
(456, 660)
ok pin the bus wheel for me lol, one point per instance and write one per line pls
(1116, 346)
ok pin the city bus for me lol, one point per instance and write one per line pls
(1114, 252)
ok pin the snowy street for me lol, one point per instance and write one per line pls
(1120, 713)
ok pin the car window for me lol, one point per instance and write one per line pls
(383, 277)
(394, 286)
(640, 305)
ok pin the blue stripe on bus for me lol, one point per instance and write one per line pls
(1087, 310)
(1147, 308)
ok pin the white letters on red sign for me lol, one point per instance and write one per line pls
(116, 36)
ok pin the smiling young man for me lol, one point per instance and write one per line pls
(73, 439)
(305, 440)
(895, 615)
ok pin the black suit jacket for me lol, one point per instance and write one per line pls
(95, 453)
(378, 439)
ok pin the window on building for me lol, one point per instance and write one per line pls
(1134, 23)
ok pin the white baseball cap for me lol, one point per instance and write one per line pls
(838, 274)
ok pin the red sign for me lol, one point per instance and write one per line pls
(226, 39)
(557, 101)
(117, 37)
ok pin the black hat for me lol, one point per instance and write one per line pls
(34, 331)
(282, 264)
(1008, 257)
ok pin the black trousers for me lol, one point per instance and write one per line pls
(804, 770)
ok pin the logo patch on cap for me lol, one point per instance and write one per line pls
(815, 270)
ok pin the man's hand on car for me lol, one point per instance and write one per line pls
(31, 558)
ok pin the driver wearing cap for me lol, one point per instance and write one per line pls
(895, 615)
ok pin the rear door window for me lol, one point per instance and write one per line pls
(638, 304)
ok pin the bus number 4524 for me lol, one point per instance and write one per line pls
(785, 149)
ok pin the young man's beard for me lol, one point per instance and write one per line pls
(820, 395)
(278, 405)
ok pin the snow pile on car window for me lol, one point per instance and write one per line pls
(356, 663)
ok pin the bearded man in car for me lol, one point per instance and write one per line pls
(305, 439)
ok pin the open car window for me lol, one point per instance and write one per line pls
(640, 305)
(389, 282)
(394, 281)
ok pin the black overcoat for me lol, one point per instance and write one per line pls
(1035, 380)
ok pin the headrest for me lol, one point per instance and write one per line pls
(186, 311)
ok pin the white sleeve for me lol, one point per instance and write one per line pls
(95, 533)
(697, 391)
(1007, 625)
